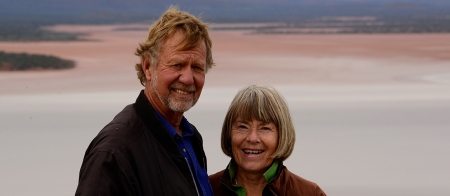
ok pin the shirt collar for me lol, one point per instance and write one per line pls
(185, 126)
(268, 175)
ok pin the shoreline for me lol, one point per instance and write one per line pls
(241, 59)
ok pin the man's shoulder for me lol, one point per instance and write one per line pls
(124, 129)
(126, 116)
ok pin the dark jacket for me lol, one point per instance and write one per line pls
(284, 183)
(135, 155)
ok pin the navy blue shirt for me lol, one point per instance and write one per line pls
(186, 149)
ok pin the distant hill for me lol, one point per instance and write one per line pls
(23, 61)
(30, 31)
(217, 10)
(21, 20)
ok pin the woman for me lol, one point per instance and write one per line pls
(258, 135)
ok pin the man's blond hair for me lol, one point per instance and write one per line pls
(195, 31)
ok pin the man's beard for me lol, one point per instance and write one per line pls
(176, 105)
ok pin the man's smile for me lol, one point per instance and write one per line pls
(182, 92)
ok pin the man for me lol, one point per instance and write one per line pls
(149, 148)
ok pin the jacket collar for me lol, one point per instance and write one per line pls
(151, 121)
(147, 114)
(226, 178)
(268, 175)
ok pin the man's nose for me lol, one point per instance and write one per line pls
(187, 76)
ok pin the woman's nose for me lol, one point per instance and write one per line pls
(253, 136)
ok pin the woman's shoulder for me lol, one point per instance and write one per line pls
(292, 184)
(216, 184)
(216, 176)
(291, 177)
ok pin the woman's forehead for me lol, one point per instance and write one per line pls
(250, 119)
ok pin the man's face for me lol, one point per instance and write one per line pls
(179, 76)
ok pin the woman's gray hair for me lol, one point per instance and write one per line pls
(265, 104)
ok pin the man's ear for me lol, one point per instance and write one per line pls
(146, 67)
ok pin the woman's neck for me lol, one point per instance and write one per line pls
(253, 183)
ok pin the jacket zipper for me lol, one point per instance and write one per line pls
(192, 175)
(228, 187)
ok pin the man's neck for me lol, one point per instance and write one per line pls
(174, 118)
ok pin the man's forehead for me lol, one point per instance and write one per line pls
(177, 39)
(189, 58)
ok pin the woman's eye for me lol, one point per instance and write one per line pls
(266, 128)
(240, 129)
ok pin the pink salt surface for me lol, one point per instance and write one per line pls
(106, 62)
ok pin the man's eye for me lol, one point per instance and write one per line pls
(197, 67)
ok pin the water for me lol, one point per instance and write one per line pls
(351, 140)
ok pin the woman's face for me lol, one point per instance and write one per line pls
(253, 142)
